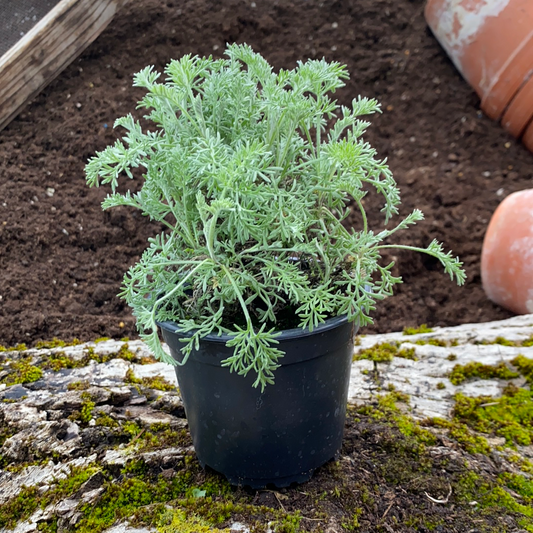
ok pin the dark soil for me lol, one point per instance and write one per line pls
(62, 258)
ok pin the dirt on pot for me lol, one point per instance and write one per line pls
(63, 259)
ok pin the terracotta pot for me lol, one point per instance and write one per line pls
(507, 256)
(491, 44)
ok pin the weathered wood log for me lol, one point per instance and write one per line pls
(50, 46)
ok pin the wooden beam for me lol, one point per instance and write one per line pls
(50, 46)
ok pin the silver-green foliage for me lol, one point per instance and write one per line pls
(252, 188)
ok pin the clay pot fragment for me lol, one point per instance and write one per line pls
(491, 44)
(507, 255)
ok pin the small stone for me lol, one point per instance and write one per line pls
(120, 395)
(15, 392)
(116, 457)
(92, 495)
(69, 401)
(171, 404)
(95, 482)
(21, 416)
(139, 400)
(72, 432)
(66, 506)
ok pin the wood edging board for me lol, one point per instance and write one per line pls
(49, 47)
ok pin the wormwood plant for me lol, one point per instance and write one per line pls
(251, 188)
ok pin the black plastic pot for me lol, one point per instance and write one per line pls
(279, 436)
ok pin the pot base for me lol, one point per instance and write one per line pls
(276, 482)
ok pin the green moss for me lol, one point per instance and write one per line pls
(527, 342)
(69, 485)
(177, 521)
(18, 348)
(452, 357)
(468, 486)
(56, 343)
(384, 353)
(415, 331)
(461, 373)
(525, 367)
(135, 467)
(151, 439)
(101, 339)
(105, 420)
(510, 416)
(353, 524)
(503, 342)
(59, 360)
(131, 499)
(519, 484)
(6, 432)
(421, 523)
(441, 385)
(290, 523)
(498, 497)
(119, 501)
(19, 508)
(78, 385)
(495, 497)
(388, 411)
(521, 462)
(432, 342)
(471, 442)
(49, 526)
(87, 408)
(30, 499)
(131, 428)
(22, 372)
(154, 382)
(125, 353)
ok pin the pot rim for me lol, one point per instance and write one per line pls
(285, 334)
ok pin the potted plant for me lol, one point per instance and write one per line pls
(256, 284)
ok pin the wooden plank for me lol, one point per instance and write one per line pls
(50, 46)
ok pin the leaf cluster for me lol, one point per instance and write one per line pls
(251, 172)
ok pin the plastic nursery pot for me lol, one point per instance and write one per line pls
(507, 256)
(491, 44)
(278, 436)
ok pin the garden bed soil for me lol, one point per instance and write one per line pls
(62, 258)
